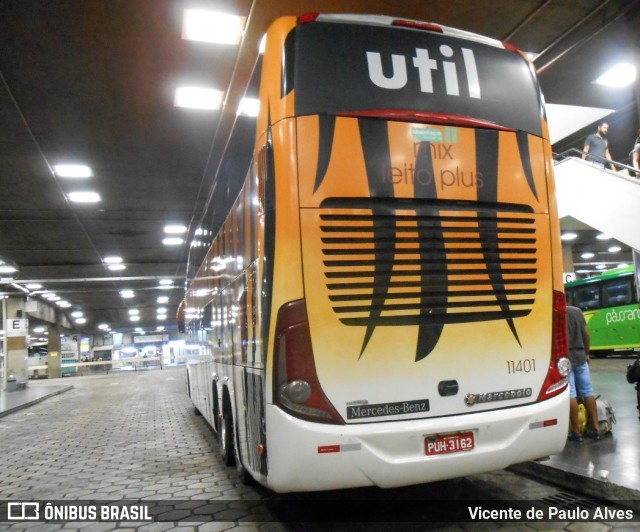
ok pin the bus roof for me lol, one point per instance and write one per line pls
(611, 274)
(384, 20)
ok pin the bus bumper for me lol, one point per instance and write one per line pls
(304, 456)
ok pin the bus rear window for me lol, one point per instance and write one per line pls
(587, 297)
(342, 68)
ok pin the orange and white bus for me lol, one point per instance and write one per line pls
(383, 304)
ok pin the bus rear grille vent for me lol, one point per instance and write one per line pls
(394, 262)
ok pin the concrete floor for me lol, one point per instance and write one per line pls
(608, 469)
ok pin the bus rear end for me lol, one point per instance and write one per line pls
(429, 338)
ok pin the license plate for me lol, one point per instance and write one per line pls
(449, 443)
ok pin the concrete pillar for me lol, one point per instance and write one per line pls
(567, 260)
(54, 364)
(16, 331)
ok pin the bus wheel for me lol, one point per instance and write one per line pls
(226, 438)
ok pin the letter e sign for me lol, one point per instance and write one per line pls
(17, 327)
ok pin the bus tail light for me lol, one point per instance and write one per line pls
(512, 48)
(559, 368)
(417, 25)
(296, 388)
(308, 17)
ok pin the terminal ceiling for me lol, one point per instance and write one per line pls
(93, 81)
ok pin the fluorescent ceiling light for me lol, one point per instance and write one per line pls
(622, 265)
(113, 259)
(38, 330)
(103, 326)
(160, 328)
(161, 317)
(116, 267)
(210, 26)
(84, 197)
(165, 281)
(175, 229)
(601, 266)
(249, 107)
(134, 311)
(74, 171)
(172, 241)
(127, 294)
(161, 310)
(134, 318)
(198, 98)
(614, 249)
(33, 286)
(618, 76)
(604, 236)
(81, 320)
(162, 299)
(63, 304)
(5, 268)
(569, 236)
(588, 255)
(77, 314)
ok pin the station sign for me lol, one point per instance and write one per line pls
(16, 327)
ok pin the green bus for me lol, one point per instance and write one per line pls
(610, 305)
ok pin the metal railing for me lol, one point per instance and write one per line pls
(79, 368)
(576, 153)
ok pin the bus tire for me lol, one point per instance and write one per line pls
(227, 450)
(245, 476)
(188, 379)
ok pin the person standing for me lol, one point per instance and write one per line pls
(580, 376)
(596, 147)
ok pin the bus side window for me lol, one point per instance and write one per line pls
(587, 297)
(617, 292)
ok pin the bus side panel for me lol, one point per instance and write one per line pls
(287, 279)
(614, 327)
(554, 220)
(250, 408)
(197, 372)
